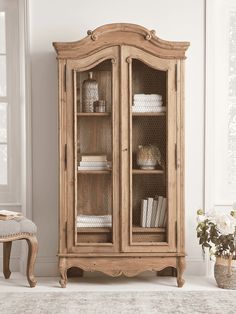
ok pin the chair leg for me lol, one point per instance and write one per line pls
(32, 253)
(6, 259)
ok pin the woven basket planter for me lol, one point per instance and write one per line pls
(225, 273)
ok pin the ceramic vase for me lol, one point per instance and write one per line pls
(89, 93)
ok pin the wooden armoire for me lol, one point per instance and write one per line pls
(107, 194)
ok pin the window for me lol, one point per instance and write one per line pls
(232, 98)
(220, 102)
(10, 114)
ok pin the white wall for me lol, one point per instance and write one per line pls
(68, 20)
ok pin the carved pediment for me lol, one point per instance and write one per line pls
(119, 34)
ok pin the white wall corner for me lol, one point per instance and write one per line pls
(25, 96)
(26, 128)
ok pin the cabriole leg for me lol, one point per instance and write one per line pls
(180, 271)
(63, 272)
(32, 253)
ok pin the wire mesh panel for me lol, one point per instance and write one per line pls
(93, 147)
(148, 86)
(149, 156)
(148, 140)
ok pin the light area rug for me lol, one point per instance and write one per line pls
(207, 302)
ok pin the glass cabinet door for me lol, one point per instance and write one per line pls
(148, 132)
(93, 154)
(152, 137)
(95, 157)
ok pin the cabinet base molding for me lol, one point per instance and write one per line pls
(127, 266)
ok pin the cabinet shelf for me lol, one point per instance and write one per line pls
(137, 229)
(93, 114)
(94, 171)
(147, 114)
(140, 171)
(93, 229)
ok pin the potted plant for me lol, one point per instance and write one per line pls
(217, 232)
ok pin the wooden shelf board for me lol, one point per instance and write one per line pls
(93, 171)
(147, 230)
(146, 114)
(93, 230)
(93, 114)
(140, 171)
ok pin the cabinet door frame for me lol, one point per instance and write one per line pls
(129, 53)
(84, 64)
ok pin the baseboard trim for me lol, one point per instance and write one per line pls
(46, 266)
(195, 267)
(14, 263)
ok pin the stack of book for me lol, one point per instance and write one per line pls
(94, 162)
(95, 221)
(153, 212)
(148, 103)
(7, 214)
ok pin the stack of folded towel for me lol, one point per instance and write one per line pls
(88, 221)
(148, 103)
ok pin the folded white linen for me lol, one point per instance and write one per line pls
(93, 224)
(95, 218)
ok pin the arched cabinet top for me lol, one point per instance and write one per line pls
(119, 34)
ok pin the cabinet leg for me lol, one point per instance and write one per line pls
(6, 259)
(32, 253)
(180, 271)
(63, 272)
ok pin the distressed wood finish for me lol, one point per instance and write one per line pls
(122, 34)
(181, 264)
(121, 56)
(115, 266)
(32, 253)
(95, 135)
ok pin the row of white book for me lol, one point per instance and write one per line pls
(94, 162)
(148, 103)
(93, 221)
(153, 212)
